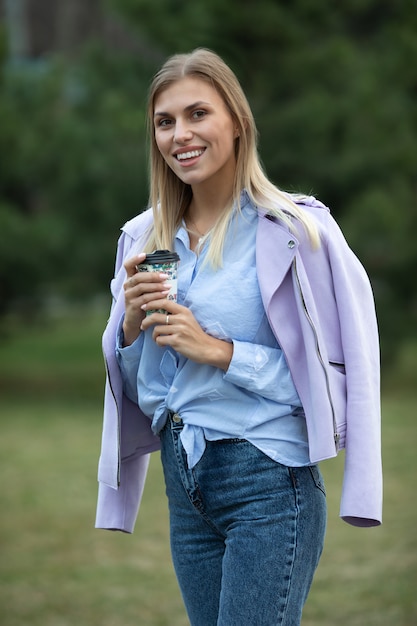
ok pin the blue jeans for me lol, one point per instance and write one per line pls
(246, 532)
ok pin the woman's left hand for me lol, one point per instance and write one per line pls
(179, 329)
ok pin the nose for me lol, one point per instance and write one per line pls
(183, 132)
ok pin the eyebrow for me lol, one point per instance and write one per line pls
(190, 107)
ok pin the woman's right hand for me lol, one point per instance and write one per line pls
(140, 288)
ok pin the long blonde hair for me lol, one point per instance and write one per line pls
(170, 197)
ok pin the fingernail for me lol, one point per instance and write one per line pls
(163, 276)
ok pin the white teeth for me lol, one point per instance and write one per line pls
(189, 155)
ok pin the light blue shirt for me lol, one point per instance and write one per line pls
(255, 399)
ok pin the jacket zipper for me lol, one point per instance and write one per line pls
(336, 435)
(118, 420)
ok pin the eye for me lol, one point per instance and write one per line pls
(198, 114)
(163, 122)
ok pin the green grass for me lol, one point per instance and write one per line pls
(367, 577)
(56, 570)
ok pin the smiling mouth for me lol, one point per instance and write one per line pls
(184, 156)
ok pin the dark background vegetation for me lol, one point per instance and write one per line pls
(333, 87)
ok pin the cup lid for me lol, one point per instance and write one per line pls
(161, 256)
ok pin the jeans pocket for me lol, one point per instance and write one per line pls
(317, 477)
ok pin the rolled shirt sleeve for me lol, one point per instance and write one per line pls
(262, 370)
(128, 359)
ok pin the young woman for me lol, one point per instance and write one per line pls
(267, 363)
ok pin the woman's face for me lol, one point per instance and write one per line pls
(195, 134)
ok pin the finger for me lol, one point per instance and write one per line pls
(165, 327)
(170, 306)
(162, 335)
(149, 282)
(157, 319)
(130, 264)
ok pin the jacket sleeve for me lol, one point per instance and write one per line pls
(127, 438)
(117, 509)
(361, 503)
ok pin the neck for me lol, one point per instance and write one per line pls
(208, 204)
(200, 220)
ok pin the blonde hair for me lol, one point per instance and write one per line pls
(170, 197)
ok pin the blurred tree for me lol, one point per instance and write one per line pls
(333, 90)
(14, 13)
(37, 29)
(76, 21)
(72, 170)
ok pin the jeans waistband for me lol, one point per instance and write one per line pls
(174, 421)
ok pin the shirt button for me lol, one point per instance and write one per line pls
(291, 244)
(176, 418)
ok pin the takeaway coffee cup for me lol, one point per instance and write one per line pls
(165, 262)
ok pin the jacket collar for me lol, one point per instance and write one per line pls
(276, 247)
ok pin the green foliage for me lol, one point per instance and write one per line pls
(333, 89)
(73, 169)
(15, 260)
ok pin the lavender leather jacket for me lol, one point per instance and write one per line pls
(321, 308)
